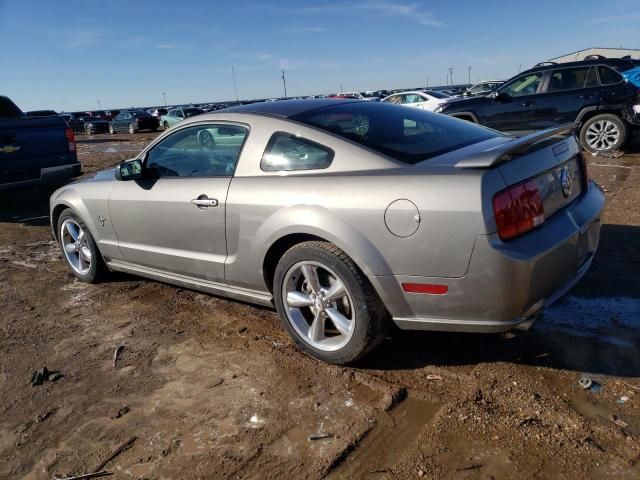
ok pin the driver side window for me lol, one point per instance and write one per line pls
(525, 85)
(199, 151)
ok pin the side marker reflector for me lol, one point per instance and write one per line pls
(426, 288)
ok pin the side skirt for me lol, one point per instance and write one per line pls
(220, 289)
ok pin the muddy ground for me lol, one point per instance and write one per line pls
(212, 388)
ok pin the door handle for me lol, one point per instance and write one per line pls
(204, 202)
(528, 103)
(586, 97)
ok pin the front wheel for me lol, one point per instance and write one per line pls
(111, 130)
(131, 129)
(603, 134)
(165, 125)
(79, 248)
(326, 303)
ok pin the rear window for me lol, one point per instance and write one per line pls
(190, 112)
(410, 135)
(437, 94)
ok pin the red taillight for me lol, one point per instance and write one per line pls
(71, 139)
(518, 209)
(429, 288)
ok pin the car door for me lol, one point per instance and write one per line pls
(117, 123)
(566, 92)
(173, 220)
(511, 108)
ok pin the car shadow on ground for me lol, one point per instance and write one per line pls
(594, 330)
(104, 139)
(29, 207)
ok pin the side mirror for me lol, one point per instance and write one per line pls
(130, 170)
(501, 97)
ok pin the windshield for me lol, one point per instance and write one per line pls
(410, 135)
(139, 114)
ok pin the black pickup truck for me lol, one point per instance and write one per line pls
(34, 151)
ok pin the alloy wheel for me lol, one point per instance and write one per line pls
(75, 246)
(131, 129)
(602, 135)
(318, 305)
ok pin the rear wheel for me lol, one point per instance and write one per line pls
(79, 248)
(131, 129)
(326, 303)
(603, 134)
(111, 131)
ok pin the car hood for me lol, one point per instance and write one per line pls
(101, 176)
(464, 103)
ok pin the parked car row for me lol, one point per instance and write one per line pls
(602, 95)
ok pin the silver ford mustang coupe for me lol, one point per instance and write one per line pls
(347, 216)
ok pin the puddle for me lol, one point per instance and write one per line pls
(589, 406)
(385, 443)
(613, 320)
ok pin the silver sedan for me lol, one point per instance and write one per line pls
(348, 216)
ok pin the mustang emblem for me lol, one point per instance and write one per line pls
(9, 149)
(565, 182)
(101, 220)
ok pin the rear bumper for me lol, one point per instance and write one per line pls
(48, 176)
(508, 283)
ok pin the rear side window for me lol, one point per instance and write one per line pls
(608, 76)
(286, 152)
(572, 79)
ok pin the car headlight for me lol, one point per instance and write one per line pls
(636, 109)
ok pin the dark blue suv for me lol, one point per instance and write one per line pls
(603, 95)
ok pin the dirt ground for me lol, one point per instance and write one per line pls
(212, 388)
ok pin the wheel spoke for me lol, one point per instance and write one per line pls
(298, 299)
(340, 321)
(70, 248)
(336, 291)
(81, 236)
(73, 231)
(316, 330)
(81, 265)
(85, 253)
(311, 275)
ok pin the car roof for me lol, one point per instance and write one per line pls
(289, 108)
(581, 63)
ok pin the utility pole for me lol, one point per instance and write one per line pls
(165, 99)
(427, 81)
(233, 73)
(99, 106)
(451, 73)
(284, 83)
(340, 88)
(469, 70)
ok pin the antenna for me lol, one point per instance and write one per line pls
(284, 83)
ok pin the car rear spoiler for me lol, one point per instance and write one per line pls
(516, 147)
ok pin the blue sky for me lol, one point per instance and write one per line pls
(68, 55)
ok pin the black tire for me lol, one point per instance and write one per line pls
(613, 146)
(154, 129)
(98, 269)
(371, 320)
(165, 125)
